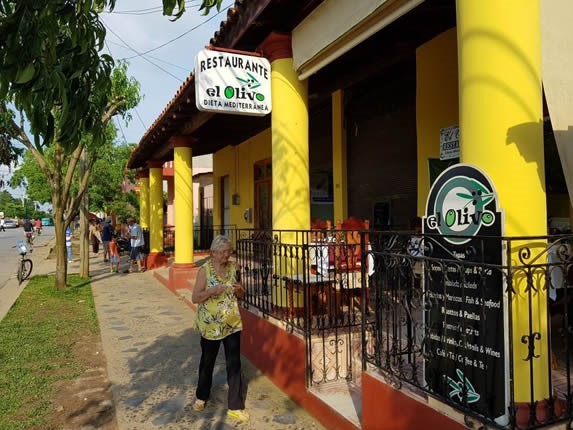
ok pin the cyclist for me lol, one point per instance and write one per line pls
(28, 231)
(38, 226)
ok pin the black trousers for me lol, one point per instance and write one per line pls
(209, 350)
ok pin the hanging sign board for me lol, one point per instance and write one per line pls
(466, 310)
(450, 142)
(232, 83)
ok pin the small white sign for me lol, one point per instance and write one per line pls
(232, 83)
(450, 142)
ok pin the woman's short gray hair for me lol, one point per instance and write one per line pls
(219, 242)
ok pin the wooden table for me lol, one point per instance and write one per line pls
(324, 296)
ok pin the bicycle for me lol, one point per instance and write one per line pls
(25, 264)
(30, 237)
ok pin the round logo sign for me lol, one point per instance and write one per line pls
(458, 204)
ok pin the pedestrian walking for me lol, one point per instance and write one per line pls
(69, 234)
(136, 255)
(113, 255)
(94, 236)
(106, 235)
(2, 226)
(217, 290)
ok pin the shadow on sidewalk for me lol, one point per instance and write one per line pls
(163, 377)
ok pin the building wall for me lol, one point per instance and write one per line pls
(237, 162)
(436, 102)
(385, 407)
(381, 139)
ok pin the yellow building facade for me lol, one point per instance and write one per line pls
(359, 105)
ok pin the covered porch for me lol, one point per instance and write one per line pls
(355, 331)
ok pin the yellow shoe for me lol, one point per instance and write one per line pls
(238, 414)
(199, 405)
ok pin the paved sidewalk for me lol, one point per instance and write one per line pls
(153, 356)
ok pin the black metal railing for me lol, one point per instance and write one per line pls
(203, 235)
(485, 326)
(472, 327)
(314, 288)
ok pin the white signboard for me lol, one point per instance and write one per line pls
(232, 83)
(450, 142)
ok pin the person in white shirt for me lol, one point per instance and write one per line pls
(137, 242)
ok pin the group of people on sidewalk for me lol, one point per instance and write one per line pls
(110, 240)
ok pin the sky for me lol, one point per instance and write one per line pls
(137, 26)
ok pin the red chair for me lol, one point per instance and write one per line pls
(349, 253)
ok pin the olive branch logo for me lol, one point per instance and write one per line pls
(480, 197)
(457, 388)
(251, 82)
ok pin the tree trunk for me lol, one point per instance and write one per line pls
(61, 260)
(84, 220)
(58, 206)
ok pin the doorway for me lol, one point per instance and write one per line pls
(263, 219)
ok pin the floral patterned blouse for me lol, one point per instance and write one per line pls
(219, 316)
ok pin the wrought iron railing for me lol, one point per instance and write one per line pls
(484, 326)
(314, 288)
(202, 236)
(471, 324)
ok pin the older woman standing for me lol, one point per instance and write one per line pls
(219, 321)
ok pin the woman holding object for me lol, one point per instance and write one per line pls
(217, 290)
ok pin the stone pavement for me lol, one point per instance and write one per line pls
(153, 356)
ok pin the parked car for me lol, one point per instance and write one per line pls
(10, 223)
(47, 221)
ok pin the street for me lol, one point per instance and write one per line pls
(9, 288)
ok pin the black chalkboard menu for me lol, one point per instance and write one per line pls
(464, 349)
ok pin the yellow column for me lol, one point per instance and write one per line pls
(289, 126)
(339, 157)
(155, 207)
(183, 181)
(501, 132)
(144, 200)
(290, 175)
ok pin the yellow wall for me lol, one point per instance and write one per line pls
(436, 101)
(237, 162)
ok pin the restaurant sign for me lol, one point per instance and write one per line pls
(232, 83)
(450, 143)
(465, 313)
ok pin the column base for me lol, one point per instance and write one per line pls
(180, 274)
(155, 260)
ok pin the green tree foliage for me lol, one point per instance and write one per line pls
(14, 207)
(106, 178)
(29, 175)
(59, 163)
(55, 76)
(51, 62)
(50, 65)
